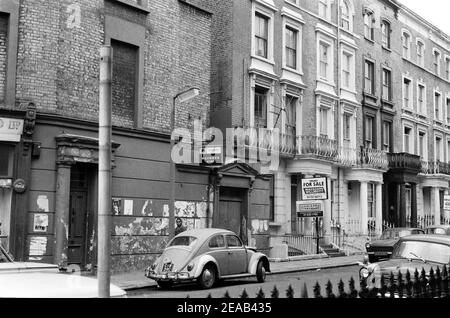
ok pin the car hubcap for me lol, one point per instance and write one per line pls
(263, 273)
(208, 277)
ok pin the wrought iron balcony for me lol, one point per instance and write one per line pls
(363, 157)
(320, 147)
(435, 167)
(404, 161)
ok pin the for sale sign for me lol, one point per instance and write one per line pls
(314, 189)
(308, 209)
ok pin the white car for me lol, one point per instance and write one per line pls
(52, 285)
(7, 265)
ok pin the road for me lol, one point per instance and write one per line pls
(281, 281)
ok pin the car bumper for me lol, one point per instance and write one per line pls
(380, 254)
(173, 277)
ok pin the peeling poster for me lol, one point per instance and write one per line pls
(40, 223)
(42, 203)
(38, 245)
(128, 207)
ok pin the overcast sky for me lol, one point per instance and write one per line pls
(435, 11)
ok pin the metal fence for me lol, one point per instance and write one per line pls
(434, 284)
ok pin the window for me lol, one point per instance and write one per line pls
(369, 75)
(447, 102)
(260, 107)
(217, 241)
(184, 241)
(261, 35)
(387, 136)
(447, 69)
(345, 16)
(387, 85)
(6, 161)
(386, 34)
(368, 26)
(233, 241)
(437, 106)
(448, 151)
(421, 145)
(407, 102)
(324, 122)
(272, 198)
(438, 149)
(324, 60)
(407, 140)
(291, 115)
(436, 62)
(421, 105)
(291, 47)
(371, 199)
(406, 41)
(368, 132)
(346, 133)
(323, 9)
(420, 53)
(346, 69)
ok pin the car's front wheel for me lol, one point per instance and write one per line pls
(165, 284)
(260, 272)
(208, 277)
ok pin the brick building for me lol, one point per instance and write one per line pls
(49, 68)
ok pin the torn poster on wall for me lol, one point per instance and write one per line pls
(38, 245)
(116, 205)
(40, 223)
(42, 203)
(128, 207)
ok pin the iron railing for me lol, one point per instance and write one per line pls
(435, 167)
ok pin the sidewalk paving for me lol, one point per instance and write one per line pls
(137, 280)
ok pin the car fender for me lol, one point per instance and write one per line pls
(255, 258)
(200, 263)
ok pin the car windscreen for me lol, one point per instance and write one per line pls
(428, 251)
(183, 241)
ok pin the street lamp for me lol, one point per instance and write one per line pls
(183, 96)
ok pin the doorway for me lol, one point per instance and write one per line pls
(81, 211)
(232, 208)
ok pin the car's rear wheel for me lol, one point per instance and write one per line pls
(208, 277)
(165, 285)
(260, 272)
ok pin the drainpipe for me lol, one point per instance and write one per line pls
(338, 86)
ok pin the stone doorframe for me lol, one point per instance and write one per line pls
(71, 149)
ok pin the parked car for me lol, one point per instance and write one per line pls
(383, 247)
(410, 253)
(51, 285)
(8, 265)
(438, 229)
(206, 256)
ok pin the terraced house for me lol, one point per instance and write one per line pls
(331, 77)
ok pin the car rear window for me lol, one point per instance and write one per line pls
(183, 241)
(217, 241)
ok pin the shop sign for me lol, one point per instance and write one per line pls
(10, 129)
(314, 189)
(212, 156)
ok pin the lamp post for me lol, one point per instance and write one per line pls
(183, 96)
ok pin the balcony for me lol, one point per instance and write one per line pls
(404, 161)
(435, 167)
(320, 147)
(363, 157)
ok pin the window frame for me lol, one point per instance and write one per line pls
(437, 56)
(409, 94)
(422, 107)
(420, 54)
(369, 62)
(385, 70)
(386, 36)
(439, 108)
(406, 44)
(369, 25)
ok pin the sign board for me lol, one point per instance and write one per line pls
(314, 189)
(447, 202)
(11, 129)
(212, 155)
(309, 209)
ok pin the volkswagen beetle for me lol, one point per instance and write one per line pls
(206, 256)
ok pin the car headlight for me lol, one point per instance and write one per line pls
(364, 272)
(367, 245)
(190, 267)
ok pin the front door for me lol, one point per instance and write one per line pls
(229, 216)
(77, 228)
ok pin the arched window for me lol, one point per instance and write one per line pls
(406, 43)
(386, 34)
(368, 25)
(420, 53)
(345, 16)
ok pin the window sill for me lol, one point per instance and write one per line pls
(133, 5)
(263, 59)
(390, 103)
(386, 49)
(369, 40)
(274, 224)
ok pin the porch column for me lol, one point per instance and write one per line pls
(363, 197)
(62, 214)
(414, 205)
(379, 208)
(436, 205)
(327, 213)
(402, 205)
(280, 198)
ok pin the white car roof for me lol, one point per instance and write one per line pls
(51, 285)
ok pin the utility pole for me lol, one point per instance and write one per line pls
(104, 173)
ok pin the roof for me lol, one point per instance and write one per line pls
(203, 234)
(432, 238)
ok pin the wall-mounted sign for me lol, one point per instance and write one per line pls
(40, 223)
(20, 186)
(11, 129)
(447, 202)
(314, 189)
(309, 209)
(212, 155)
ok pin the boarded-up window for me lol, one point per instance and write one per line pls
(124, 83)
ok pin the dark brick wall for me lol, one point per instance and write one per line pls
(3, 54)
(124, 82)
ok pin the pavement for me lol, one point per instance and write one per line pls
(137, 280)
